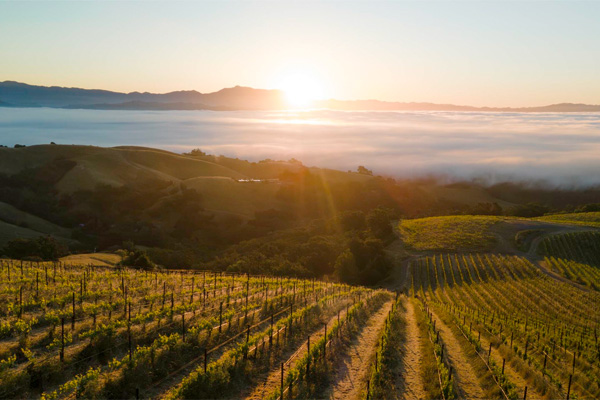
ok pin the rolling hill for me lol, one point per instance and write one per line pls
(16, 94)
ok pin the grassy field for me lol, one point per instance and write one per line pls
(15, 224)
(587, 219)
(95, 259)
(452, 233)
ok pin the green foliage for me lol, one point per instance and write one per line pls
(379, 223)
(529, 210)
(451, 233)
(583, 274)
(584, 218)
(363, 170)
(44, 248)
(345, 268)
(138, 259)
(353, 221)
(383, 378)
(583, 247)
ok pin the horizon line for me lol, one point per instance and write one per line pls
(330, 99)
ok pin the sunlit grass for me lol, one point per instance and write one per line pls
(449, 233)
(586, 218)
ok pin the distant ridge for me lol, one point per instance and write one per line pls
(16, 94)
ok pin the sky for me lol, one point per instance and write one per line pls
(482, 53)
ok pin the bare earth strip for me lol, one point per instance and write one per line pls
(351, 371)
(409, 381)
(467, 384)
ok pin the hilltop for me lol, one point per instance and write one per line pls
(267, 216)
(16, 94)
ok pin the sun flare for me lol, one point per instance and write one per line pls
(301, 89)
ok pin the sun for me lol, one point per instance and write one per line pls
(301, 89)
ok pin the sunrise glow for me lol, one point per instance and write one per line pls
(301, 89)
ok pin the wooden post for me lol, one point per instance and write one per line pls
(129, 341)
(308, 359)
(545, 359)
(192, 295)
(291, 319)
(205, 359)
(20, 301)
(271, 334)
(503, 363)
(183, 325)
(569, 389)
(525, 394)
(73, 315)
(325, 345)
(62, 339)
(220, 316)
(368, 388)
(281, 389)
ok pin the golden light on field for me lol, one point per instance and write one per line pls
(301, 89)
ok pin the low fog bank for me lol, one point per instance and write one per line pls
(544, 149)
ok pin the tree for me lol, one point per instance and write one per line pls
(529, 210)
(43, 247)
(138, 259)
(345, 267)
(353, 220)
(362, 170)
(379, 222)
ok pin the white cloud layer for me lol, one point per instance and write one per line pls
(563, 149)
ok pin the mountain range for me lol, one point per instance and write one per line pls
(16, 94)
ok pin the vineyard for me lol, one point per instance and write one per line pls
(583, 247)
(518, 329)
(451, 326)
(74, 331)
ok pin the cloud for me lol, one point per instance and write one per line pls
(560, 148)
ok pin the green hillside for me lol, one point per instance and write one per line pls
(584, 218)
(583, 247)
(451, 233)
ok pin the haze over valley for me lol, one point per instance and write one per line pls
(558, 148)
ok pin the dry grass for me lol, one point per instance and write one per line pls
(96, 259)
(451, 233)
(586, 219)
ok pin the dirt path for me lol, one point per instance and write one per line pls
(409, 382)
(273, 379)
(350, 377)
(467, 384)
(537, 260)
